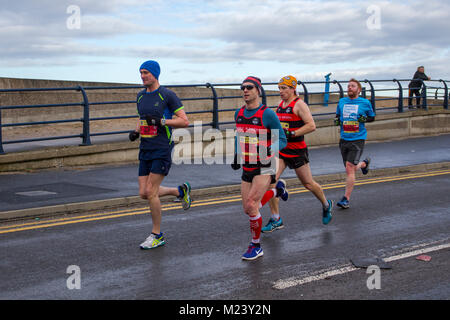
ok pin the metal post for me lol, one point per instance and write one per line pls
(445, 95)
(215, 110)
(424, 96)
(305, 92)
(86, 129)
(264, 98)
(400, 96)
(326, 96)
(1, 139)
(341, 91)
(372, 95)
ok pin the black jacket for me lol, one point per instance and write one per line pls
(417, 84)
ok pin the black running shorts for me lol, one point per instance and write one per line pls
(351, 151)
(153, 162)
(248, 176)
(296, 162)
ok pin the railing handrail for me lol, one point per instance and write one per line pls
(215, 98)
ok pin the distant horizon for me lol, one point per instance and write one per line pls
(204, 83)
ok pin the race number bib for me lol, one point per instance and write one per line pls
(284, 125)
(351, 126)
(148, 131)
(350, 115)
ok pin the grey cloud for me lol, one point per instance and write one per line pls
(46, 18)
(35, 30)
(301, 32)
(317, 30)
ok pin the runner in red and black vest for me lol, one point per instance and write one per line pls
(296, 120)
(258, 139)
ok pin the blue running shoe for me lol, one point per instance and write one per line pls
(344, 203)
(253, 252)
(281, 190)
(366, 169)
(326, 214)
(273, 225)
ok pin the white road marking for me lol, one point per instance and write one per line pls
(36, 193)
(323, 274)
(292, 282)
(417, 252)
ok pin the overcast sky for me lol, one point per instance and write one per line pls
(223, 41)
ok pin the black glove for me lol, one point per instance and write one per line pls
(337, 121)
(362, 118)
(133, 135)
(235, 165)
(153, 121)
(289, 134)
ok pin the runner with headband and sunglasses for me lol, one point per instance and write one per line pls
(257, 129)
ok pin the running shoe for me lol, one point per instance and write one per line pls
(366, 169)
(253, 252)
(282, 192)
(326, 214)
(186, 195)
(344, 203)
(153, 241)
(273, 225)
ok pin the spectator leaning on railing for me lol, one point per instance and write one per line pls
(415, 85)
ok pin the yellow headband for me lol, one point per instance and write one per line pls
(289, 81)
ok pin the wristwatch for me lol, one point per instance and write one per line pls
(163, 122)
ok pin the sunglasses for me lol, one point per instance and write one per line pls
(248, 87)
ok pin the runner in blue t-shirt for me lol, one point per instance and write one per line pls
(156, 106)
(351, 115)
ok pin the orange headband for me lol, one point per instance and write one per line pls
(289, 81)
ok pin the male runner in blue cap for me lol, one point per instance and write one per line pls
(156, 105)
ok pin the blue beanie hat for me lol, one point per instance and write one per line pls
(152, 67)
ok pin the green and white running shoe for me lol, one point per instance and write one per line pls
(185, 197)
(153, 241)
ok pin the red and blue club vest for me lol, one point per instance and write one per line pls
(253, 136)
(291, 122)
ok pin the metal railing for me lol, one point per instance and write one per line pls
(377, 91)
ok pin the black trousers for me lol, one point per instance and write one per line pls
(413, 92)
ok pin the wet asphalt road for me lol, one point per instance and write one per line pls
(201, 259)
(72, 185)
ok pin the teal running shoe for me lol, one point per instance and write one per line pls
(326, 214)
(273, 225)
